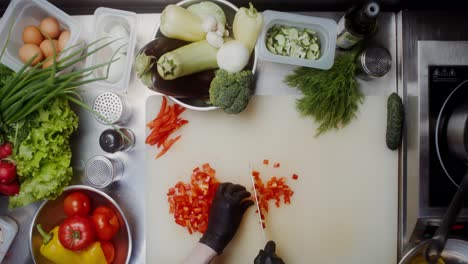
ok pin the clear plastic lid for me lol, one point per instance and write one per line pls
(119, 27)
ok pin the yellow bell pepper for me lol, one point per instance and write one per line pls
(55, 252)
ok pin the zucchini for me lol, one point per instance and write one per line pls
(293, 42)
(192, 58)
(395, 118)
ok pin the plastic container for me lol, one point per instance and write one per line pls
(115, 25)
(326, 31)
(30, 12)
(8, 230)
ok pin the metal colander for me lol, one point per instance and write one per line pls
(100, 171)
(374, 62)
(112, 107)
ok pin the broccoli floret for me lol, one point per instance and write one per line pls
(231, 91)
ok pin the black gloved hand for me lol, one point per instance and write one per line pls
(225, 215)
(268, 256)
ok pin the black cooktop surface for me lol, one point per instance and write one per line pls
(446, 86)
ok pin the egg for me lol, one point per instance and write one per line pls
(50, 27)
(47, 63)
(32, 35)
(63, 39)
(47, 47)
(27, 51)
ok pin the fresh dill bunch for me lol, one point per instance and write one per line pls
(332, 97)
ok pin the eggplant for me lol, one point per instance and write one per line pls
(193, 86)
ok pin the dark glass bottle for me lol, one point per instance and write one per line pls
(112, 140)
(358, 23)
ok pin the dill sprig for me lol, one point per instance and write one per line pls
(332, 97)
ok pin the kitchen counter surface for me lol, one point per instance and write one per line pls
(129, 191)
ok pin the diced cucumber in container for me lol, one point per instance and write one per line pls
(293, 42)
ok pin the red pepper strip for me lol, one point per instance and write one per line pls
(163, 107)
(167, 145)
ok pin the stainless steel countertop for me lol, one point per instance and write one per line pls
(413, 27)
(129, 192)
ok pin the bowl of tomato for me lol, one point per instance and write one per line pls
(83, 225)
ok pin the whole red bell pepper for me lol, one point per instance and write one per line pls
(76, 233)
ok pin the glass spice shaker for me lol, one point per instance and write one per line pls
(112, 140)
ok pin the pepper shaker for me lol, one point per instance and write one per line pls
(373, 62)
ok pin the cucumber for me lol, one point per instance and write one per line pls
(395, 118)
(293, 42)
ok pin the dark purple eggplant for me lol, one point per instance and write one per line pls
(194, 86)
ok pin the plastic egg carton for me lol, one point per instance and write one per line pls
(21, 13)
(113, 25)
(8, 230)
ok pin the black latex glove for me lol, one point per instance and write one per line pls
(268, 255)
(225, 215)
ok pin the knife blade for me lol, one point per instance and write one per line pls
(259, 213)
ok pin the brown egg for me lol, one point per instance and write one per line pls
(63, 39)
(50, 26)
(48, 46)
(27, 51)
(32, 35)
(47, 63)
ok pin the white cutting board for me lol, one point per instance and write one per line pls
(344, 209)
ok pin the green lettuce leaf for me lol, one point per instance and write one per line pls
(44, 156)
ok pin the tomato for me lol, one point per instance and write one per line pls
(105, 222)
(76, 233)
(108, 250)
(77, 203)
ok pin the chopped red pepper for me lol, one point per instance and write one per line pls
(190, 202)
(166, 122)
(295, 176)
(266, 162)
(274, 189)
(276, 165)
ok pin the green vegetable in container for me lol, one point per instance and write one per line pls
(293, 42)
(191, 58)
(247, 26)
(332, 97)
(204, 9)
(44, 156)
(179, 23)
(231, 91)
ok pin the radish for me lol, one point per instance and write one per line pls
(7, 172)
(5, 150)
(9, 189)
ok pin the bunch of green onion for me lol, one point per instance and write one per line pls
(33, 87)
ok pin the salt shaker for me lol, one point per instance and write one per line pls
(373, 62)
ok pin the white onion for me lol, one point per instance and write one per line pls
(232, 56)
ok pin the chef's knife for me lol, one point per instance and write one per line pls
(259, 213)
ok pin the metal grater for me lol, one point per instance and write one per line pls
(373, 63)
(112, 107)
(100, 171)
